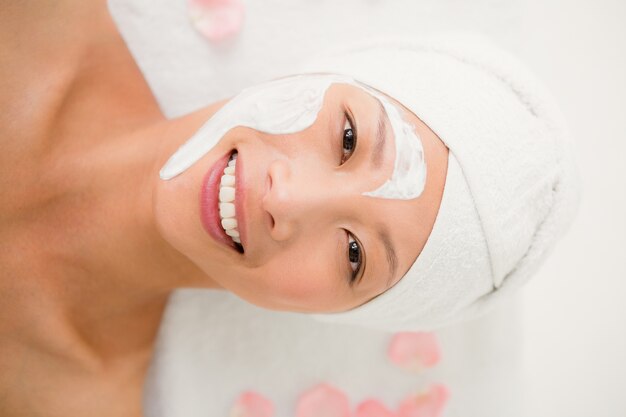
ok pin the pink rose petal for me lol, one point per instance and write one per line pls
(323, 400)
(429, 404)
(252, 404)
(216, 19)
(373, 408)
(414, 351)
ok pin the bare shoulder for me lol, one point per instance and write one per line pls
(46, 32)
(51, 382)
(42, 44)
(36, 383)
(44, 369)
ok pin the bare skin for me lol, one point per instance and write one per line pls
(77, 320)
(87, 261)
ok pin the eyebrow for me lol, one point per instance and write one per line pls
(378, 152)
(392, 259)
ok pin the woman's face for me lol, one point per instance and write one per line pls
(312, 242)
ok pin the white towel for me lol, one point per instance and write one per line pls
(512, 188)
(211, 345)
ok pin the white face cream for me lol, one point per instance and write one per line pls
(290, 105)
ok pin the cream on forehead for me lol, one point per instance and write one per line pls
(290, 105)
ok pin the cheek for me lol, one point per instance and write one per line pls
(302, 279)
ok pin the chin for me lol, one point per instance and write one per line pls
(177, 214)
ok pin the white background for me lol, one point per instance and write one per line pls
(574, 310)
(560, 352)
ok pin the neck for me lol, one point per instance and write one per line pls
(112, 270)
(113, 259)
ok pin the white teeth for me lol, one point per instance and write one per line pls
(227, 210)
(228, 224)
(227, 194)
(232, 232)
(228, 180)
(227, 199)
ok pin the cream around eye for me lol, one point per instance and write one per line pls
(290, 105)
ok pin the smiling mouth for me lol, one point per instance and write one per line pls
(226, 202)
(220, 195)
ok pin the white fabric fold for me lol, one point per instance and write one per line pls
(511, 188)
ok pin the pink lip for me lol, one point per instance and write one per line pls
(240, 200)
(209, 202)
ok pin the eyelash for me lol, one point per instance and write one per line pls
(353, 245)
(352, 140)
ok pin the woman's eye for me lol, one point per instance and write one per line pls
(354, 256)
(349, 141)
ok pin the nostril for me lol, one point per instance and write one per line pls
(272, 222)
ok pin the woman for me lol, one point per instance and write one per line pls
(104, 212)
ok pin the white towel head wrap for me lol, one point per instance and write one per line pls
(511, 186)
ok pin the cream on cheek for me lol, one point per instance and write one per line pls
(290, 105)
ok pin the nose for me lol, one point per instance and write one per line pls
(296, 197)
